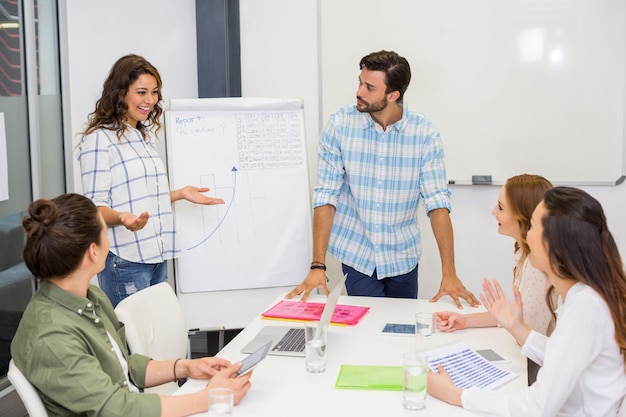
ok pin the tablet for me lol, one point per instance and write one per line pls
(253, 359)
(398, 329)
(492, 356)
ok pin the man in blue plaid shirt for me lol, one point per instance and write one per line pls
(377, 160)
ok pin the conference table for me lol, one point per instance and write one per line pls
(281, 386)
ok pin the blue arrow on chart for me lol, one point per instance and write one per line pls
(234, 171)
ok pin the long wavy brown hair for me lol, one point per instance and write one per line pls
(111, 107)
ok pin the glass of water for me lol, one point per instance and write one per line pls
(220, 402)
(425, 329)
(315, 347)
(415, 373)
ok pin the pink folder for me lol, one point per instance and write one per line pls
(307, 311)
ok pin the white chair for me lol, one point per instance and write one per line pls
(28, 394)
(155, 326)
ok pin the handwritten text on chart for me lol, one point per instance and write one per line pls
(268, 140)
(198, 126)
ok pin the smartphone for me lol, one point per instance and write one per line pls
(253, 359)
(492, 356)
(399, 329)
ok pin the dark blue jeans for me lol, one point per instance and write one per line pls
(401, 286)
(121, 278)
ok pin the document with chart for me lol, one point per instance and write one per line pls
(466, 367)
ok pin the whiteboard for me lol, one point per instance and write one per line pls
(249, 152)
(531, 86)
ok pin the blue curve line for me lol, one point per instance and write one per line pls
(234, 170)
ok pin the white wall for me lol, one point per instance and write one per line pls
(280, 58)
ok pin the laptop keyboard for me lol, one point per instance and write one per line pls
(292, 341)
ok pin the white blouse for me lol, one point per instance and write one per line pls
(582, 371)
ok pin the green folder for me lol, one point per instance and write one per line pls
(385, 378)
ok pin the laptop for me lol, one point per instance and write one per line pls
(289, 341)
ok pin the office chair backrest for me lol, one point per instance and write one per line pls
(155, 326)
(28, 394)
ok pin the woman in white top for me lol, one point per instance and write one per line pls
(124, 176)
(582, 361)
(517, 199)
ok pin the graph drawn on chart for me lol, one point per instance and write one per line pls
(253, 232)
(239, 220)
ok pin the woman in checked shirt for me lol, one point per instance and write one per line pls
(124, 176)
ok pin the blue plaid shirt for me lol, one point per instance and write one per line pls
(129, 176)
(376, 179)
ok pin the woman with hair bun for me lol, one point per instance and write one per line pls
(70, 344)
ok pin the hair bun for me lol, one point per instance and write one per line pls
(41, 214)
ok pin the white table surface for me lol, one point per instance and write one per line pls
(282, 387)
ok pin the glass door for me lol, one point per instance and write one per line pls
(30, 104)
